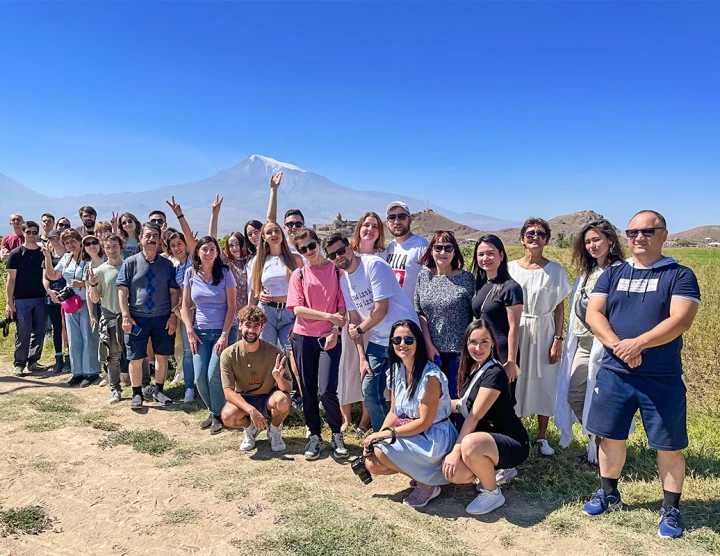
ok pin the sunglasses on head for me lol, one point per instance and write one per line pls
(531, 234)
(402, 216)
(91, 242)
(397, 340)
(294, 224)
(158, 221)
(309, 247)
(440, 247)
(332, 256)
(646, 232)
(63, 225)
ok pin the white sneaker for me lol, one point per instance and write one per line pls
(177, 378)
(275, 435)
(338, 445)
(486, 501)
(544, 448)
(103, 382)
(115, 397)
(503, 476)
(248, 442)
(189, 395)
(313, 448)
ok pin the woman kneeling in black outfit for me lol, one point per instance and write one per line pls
(493, 437)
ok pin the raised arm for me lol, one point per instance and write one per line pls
(214, 215)
(272, 203)
(184, 226)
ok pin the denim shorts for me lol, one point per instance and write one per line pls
(153, 328)
(661, 400)
(260, 401)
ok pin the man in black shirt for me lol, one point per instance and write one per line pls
(26, 299)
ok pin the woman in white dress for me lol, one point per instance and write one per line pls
(545, 285)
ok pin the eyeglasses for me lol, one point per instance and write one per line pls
(397, 340)
(402, 216)
(309, 247)
(646, 232)
(31, 232)
(158, 221)
(440, 247)
(91, 242)
(533, 234)
(332, 256)
(63, 224)
(294, 224)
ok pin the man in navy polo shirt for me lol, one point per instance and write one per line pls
(639, 311)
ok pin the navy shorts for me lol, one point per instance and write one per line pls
(661, 400)
(152, 328)
(260, 401)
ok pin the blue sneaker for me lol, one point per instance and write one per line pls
(671, 523)
(600, 503)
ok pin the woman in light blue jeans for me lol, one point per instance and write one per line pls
(211, 287)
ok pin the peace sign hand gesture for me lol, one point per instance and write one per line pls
(114, 221)
(217, 204)
(92, 277)
(275, 180)
(176, 208)
(279, 369)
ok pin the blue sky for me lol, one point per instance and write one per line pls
(504, 109)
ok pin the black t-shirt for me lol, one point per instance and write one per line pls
(494, 311)
(28, 281)
(501, 417)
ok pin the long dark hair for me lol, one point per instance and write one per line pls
(458, 261)
(583, 261)
(241, 240)
(218, 266)
(503, 274)
(466, 361)
(421, 357)
(249, 244)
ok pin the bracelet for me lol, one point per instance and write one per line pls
(559, 338)
(393, 432)
(179, 216)
(224, 333)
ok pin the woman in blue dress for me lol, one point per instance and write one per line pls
(421, 406)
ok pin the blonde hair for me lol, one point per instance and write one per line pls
(379, 244)
(263, 250)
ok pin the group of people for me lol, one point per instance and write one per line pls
(445, 360)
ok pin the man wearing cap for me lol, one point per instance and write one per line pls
(406, 250)
(26, 299)
(13, 240)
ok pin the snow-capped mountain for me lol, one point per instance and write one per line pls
(245, 189)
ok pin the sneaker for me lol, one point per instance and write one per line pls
(486, 501)
(671, 523)
(207, 422)
(89, 380)
(125, 379)
(275, 435)
(148, 392)
(503, 476)
(115, 397)
(249, 436)
(189, 395)
(75, 381)
(103, 382)
(66, 365)
(160, 397)
(177, 378)
(216, 426)
(314, 447)
(58, 367)
(422, 494)
(599, 503)
(137, 402)
(338, 445)
(18, 370)
(36, 367)
(544, 448)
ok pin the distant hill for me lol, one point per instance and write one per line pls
(699, 236)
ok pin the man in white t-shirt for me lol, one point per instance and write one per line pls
(406, 250)
(375, 301)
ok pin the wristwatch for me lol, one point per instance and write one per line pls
(560, 338)
(458, 405)
(337, 328)
(359, 330)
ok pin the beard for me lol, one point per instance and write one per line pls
(89, 223)
(250, 337)
(400, 232)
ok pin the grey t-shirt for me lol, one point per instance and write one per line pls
(149, 285)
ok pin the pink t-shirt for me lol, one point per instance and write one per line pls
(319, 290)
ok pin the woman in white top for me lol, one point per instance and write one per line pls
(545, 285)
(271, 272)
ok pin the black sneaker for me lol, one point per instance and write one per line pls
(75, 381)
(89, 380)
(58, 367)
(216, 426)
(137, 401)
(313, 448)
(66, 364)
(207, 422)
(148, 392)
(161, 398)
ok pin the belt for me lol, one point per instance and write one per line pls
(276, 305)
(531, 328)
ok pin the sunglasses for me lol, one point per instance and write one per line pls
(397, 340)
(294, 224)
(63, 225)
(158, 221)
(402, 216)
(440, 247)
(533, 234)
(91, 242)
(31, 232)
(309, 247)
(646, 232)
(436, 232)
(126, 222)
(332, 256)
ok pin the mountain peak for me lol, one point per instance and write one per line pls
(272, 162)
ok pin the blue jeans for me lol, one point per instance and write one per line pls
(449, 367)
(30, 330)
(206, 363)
(83, 343)
(187, 358)
(373, 387)
(278, 326)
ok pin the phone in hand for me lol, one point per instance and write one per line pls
(322, 341)
(135, 330)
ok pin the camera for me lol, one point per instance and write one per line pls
(5, 325)
(358, 464)
(66, 293)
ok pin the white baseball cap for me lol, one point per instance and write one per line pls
(397, 204)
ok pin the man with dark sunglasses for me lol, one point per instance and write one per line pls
(406, 250)
(639, 311)
(375, 301)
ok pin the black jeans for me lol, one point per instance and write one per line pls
(318, 370)
(55, 316)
